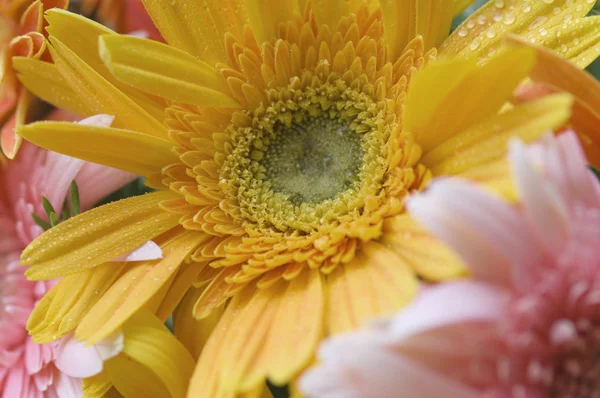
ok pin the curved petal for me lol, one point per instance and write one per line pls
(77, 359)
(368, 370)
(486, 232)
(446, 305)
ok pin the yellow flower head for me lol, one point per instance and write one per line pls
(282, 138)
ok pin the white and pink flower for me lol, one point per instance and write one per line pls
(528, 323)
(52, 370)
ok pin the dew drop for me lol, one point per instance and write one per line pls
(490, 34)
(462, 32)
(509, 18)
(538, 22)
(474, 45)
(499, 3)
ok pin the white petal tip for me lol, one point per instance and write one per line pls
(147, 252)
(100, 120)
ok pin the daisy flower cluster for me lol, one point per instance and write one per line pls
(299, 198)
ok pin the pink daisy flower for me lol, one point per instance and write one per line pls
(28, 369)
(526, 326)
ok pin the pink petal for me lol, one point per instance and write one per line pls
(60, 172)
(111, 346)
(148, 251)
(15, 382)
(44, 378)
(567, 167)
(373, 371)
(446, 305)
(33, 357)
(486, 232)
(95, 182)
(541, 199)
(68, 387)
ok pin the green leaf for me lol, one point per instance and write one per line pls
(596, 171)
(74, 195)
(41, 222)
(48, 207)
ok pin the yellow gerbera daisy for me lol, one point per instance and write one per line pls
(282, 137)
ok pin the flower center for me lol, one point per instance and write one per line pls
(311, 157)
(314, 160)
(577, 373)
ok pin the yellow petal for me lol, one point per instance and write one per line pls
(405, 19)
(45, 81)
(294, 334)
(188, 26)
(266, 15)
(561, 74)
(150, 344)
(181, 284)
(240, 331)
(137, 286)
(461, 5)
(430, 258)
(579, 43)
(496, 177)
(126, 150)
(460, 93)
(481, 34)
(229, 16)
(96, 386)
(330, 12)
(132, 379)
(96, 236)
(64, 306)
(193, 333)
(164, 71)
(243, 347)
(62, 24)
(101, 96)
(488, 141)
(375, 283)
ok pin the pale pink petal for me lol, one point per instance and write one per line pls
(541, 198)
(100, 120)
(373, 371)
(44, 378)
(483, 230)
(139, 33)
(15, 382)
(33, 357)
(446, 305)
(68, 387)
(95, 182)
(567, 167)
(76, 359)
(148, 251)
(61, 171)
(110, 346)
